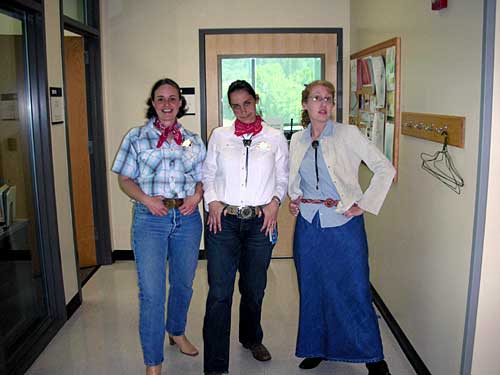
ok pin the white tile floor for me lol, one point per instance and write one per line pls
(102, 337)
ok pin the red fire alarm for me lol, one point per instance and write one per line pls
(439, 4)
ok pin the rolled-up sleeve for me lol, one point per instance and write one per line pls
(125, 163)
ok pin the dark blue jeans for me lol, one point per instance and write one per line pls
(241, 246)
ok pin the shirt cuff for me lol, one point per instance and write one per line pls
(209, 196)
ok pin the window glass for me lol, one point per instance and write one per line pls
(75, 9)
(278, 81)
(22, 290)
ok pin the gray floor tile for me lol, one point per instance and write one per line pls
(102, 338)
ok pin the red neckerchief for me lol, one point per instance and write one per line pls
(166, 131)
(240, 128)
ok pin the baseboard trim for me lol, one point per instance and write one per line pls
(73, 305)
(89, 276)
(122, 255)
(405, 344)
(129, 255)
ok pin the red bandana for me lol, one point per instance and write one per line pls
(166, 131)
(240, 128)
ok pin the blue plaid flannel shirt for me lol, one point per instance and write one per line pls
(171, 171)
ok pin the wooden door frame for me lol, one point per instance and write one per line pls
(214, 43)
(204, 32)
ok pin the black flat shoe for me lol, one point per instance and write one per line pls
(378, 368)
(310, 363)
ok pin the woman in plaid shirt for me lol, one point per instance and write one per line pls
(159, 167)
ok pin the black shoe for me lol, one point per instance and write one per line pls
(310, 363)
(378, 368)
(259, 352)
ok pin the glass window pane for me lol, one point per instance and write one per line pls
(278, 81)
(75, 9)
(22, 297)
(232, 70)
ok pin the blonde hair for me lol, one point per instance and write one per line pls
(305, 120)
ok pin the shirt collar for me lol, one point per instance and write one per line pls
(150, 127)
(328, 131)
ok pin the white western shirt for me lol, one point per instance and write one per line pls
(224, 170)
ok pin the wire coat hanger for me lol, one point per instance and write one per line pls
(441, 166)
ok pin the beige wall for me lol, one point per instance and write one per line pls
(485, 357)
(146, 41)
(421, 243)
(59, 154)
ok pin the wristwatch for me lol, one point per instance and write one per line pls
(275, 198)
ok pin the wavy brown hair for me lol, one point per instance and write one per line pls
(305, 120)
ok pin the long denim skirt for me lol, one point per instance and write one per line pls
(337, 320)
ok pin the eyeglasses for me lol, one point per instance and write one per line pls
(319, 99)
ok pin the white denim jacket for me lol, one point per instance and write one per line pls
(343, 153)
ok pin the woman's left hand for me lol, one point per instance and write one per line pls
(270, 212)
(190, 204)
(355, 210)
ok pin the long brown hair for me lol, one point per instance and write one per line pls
(305, 120)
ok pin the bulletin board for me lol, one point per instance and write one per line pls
(375, 79)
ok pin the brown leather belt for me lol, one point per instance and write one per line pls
(243, 212)
(329, 202)
(172, 202)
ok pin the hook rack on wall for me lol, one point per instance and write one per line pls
(431, 127)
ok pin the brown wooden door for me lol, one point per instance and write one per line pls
(76, 122)
(289, 44)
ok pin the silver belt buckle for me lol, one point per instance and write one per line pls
(246, 212)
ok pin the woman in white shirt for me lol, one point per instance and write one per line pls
(337, 321)
(244, 178)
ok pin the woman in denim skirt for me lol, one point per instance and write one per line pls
(159, 166)
(337, 321)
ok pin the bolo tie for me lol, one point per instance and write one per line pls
(315, 145)
(246, 142)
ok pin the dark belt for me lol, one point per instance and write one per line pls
(173, 203)
(329, 202)
(244, 212)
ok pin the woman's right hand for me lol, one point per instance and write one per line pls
(293, 206)
(215, 209)
(155, 205)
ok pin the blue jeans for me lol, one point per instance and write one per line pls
(156, 239)
(241, 246)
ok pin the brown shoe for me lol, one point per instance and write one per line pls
(184, 345)
(259, 352)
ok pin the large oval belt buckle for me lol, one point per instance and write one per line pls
(246, 212)
(329, 202)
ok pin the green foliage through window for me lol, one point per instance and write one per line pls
(278, 81)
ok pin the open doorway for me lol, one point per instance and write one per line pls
(79, 153)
